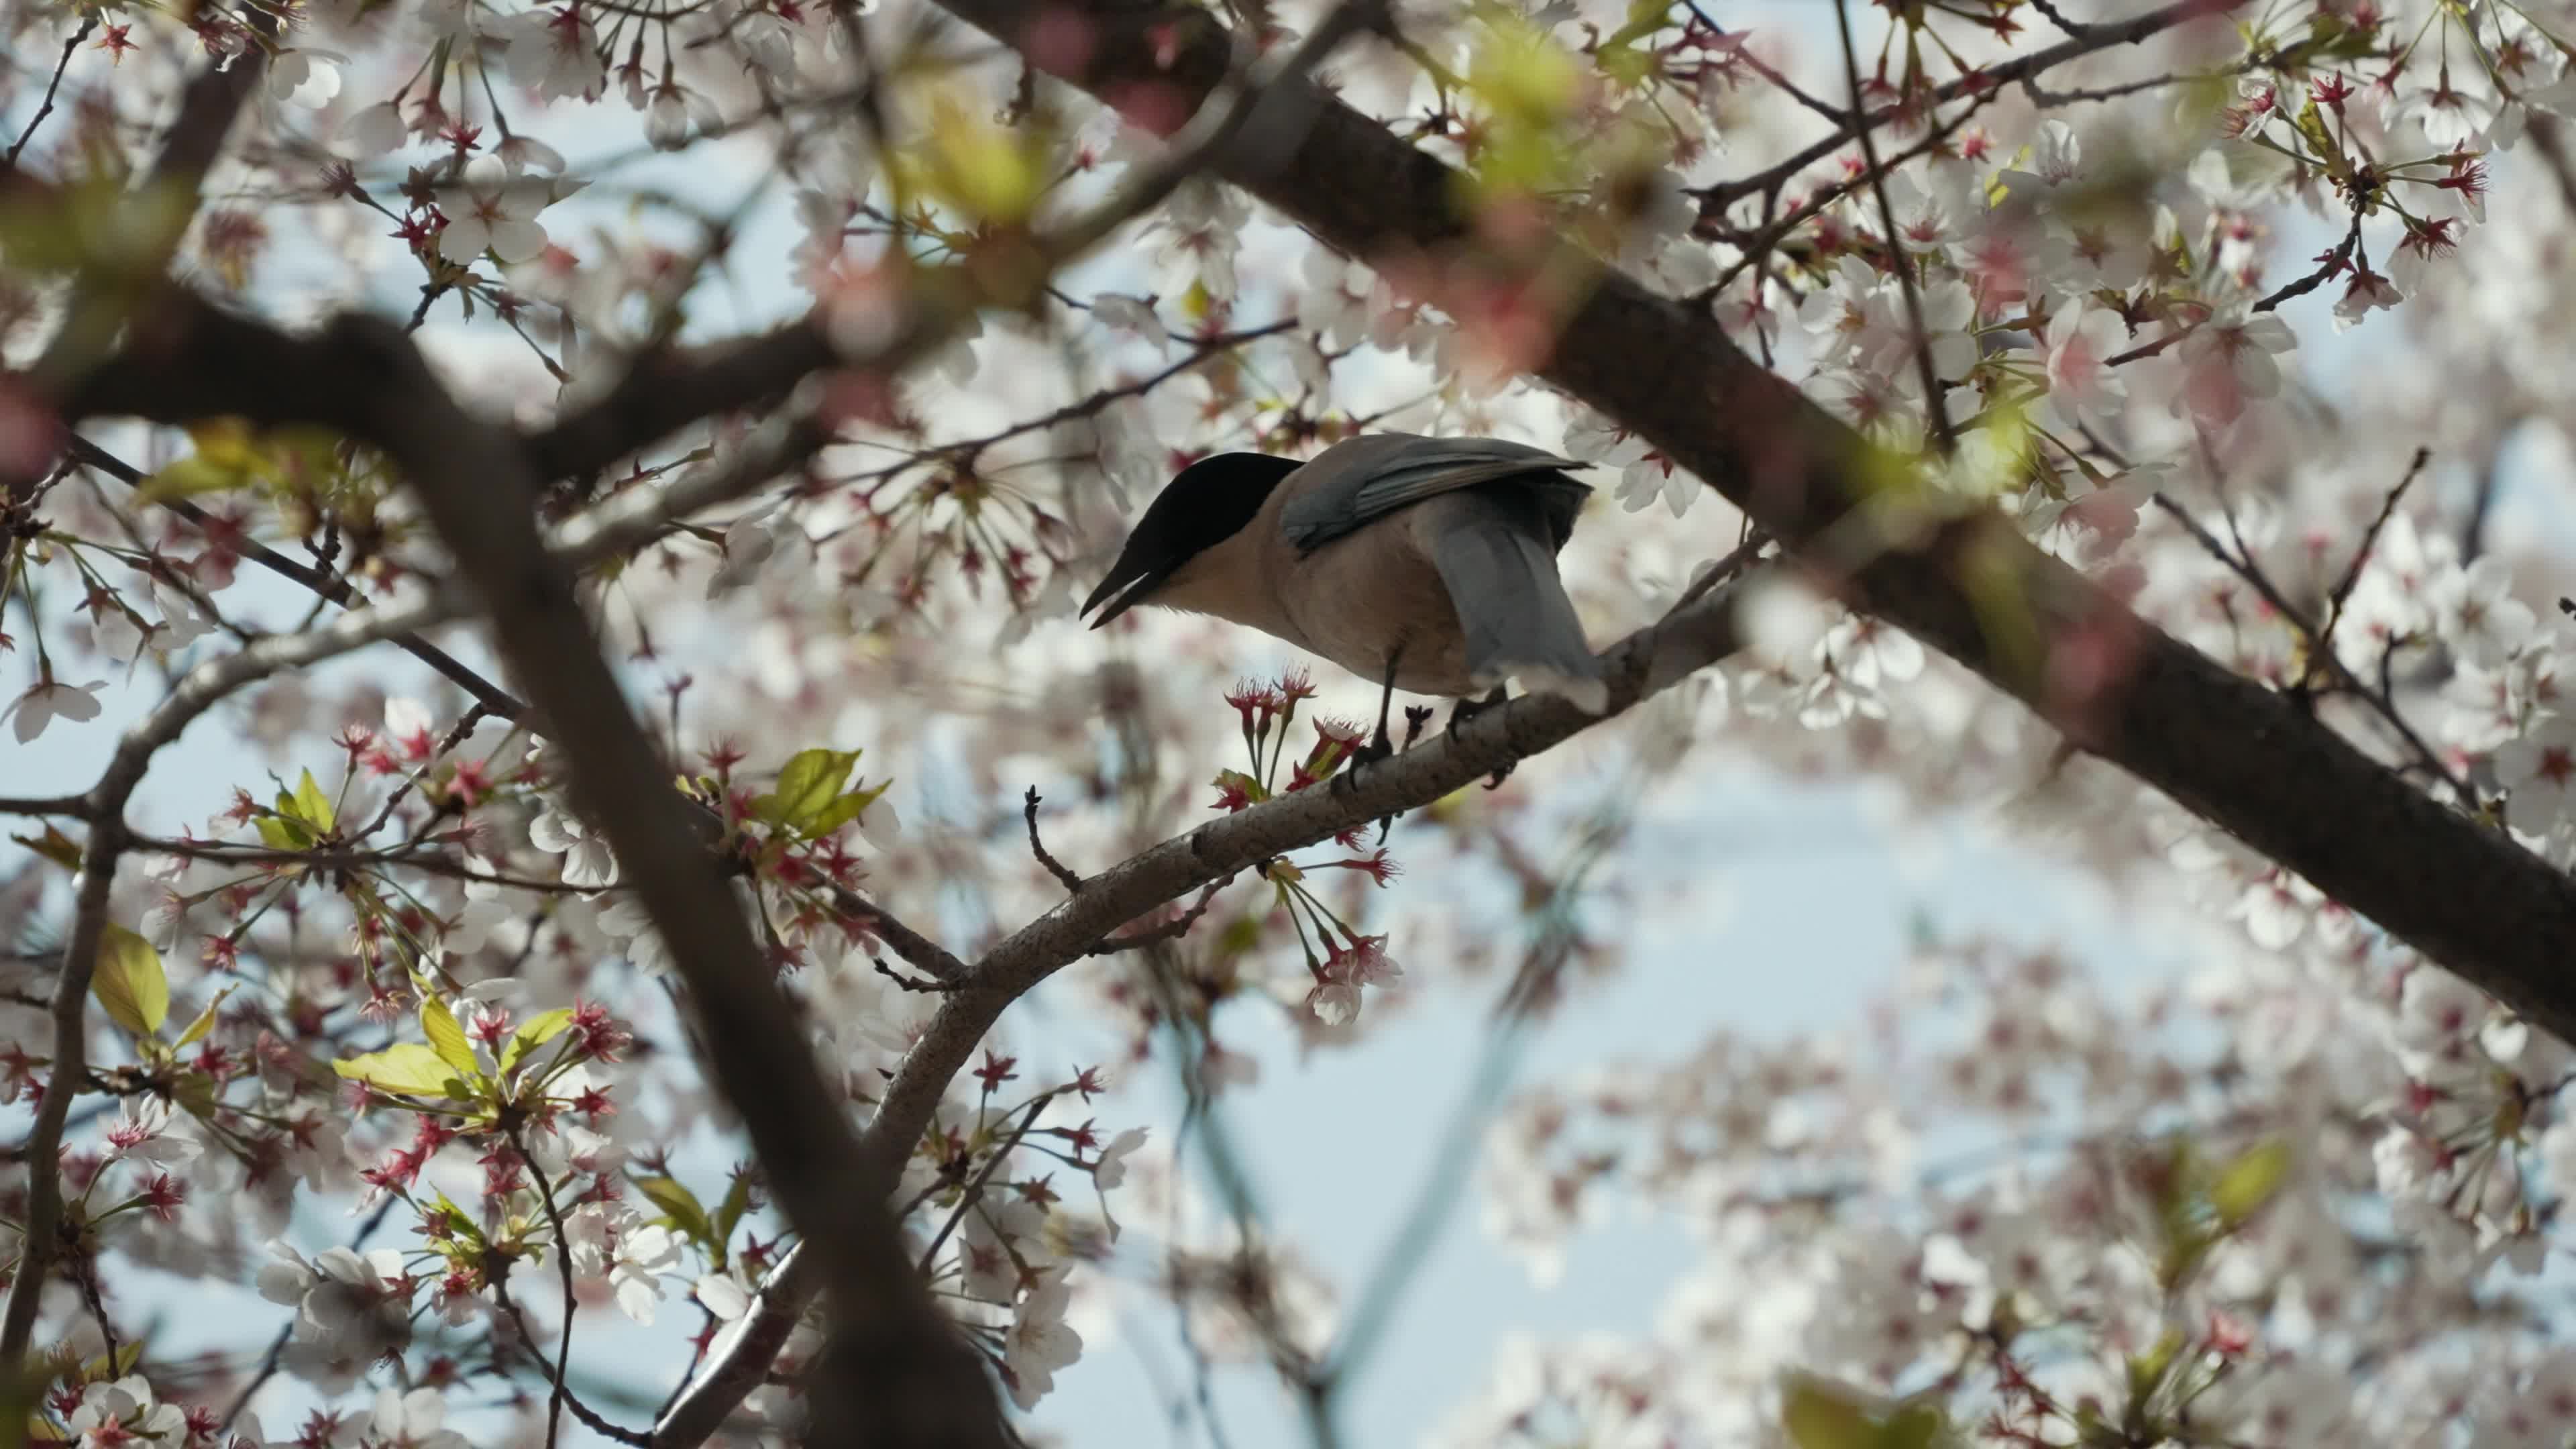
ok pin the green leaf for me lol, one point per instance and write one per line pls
(807, 786)
(2147, 1371)
(680, 1205)
(445, 1037)
(2249, 1181)
(279, 833)
(308, 804)
(463, 1221)
(205, 1021)
(53, 845)
(129, 983)
(532, 1034)
(849, 806)
(1819, 1414)
(737, 1201)
(407, 1067)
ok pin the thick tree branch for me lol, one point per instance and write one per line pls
(905, 1377)
(2226, 748)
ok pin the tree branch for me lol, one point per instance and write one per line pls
(1637, 668)
(2227, 748)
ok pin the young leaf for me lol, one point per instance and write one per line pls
(2248, 1181)
(1819, 1414)
(680, 1205)
(53, 845)
(129, 983)
(807, 785)
(445, 1037)
(205, 1021)
(532, 1034)
(848, 807)
(406, 1067)
(311, 805)
(737, 1200)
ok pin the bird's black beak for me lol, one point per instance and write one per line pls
(1127, 585)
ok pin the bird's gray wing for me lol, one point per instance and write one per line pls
(1366, 478)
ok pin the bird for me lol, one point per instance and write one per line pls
(1417, 563)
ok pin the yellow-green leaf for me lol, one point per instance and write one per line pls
(534, 1033)
(279, 833)
(807, 786)
(129, 983)
(2248, 1181)
(849, 806)
(737, 1200)
(991, 173)
(1819, 1414)
(680, 1205)
(53, 845)
(445, 1037)
(407, 1067)
(205, 1021)
(310, 805)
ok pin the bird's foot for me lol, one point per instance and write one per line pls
(1467, 709)
(1346, 779)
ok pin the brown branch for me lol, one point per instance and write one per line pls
(2137, 28)
(75, 806)
(1935, 406)
(1637, 668)
(903, 1375)
(1065, 875)
(1171, 930)
(71, 46)
(495, 700)
(2227, 748)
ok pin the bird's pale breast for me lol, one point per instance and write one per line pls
(1376, 591)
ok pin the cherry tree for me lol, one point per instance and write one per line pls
(599, 467)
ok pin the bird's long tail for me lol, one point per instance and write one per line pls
(1494, 556)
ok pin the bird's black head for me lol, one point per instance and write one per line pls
(1208, 503)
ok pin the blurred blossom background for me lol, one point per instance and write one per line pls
(1822, 1042)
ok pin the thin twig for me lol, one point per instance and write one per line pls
(1171, 930)
(89, 22)
(563, 1265)
(1936, 408)
(2382, 701)
(2369, 536)
(975, 1189)
(1065, 875)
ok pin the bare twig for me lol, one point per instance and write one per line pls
(71, 45)
(492, 697)
(2320, 656)
(975, 1190)
(2369, 536)
(1171, 930)
(1716, 198)
(1065, 875)
(1936, 408)
(72, 805)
